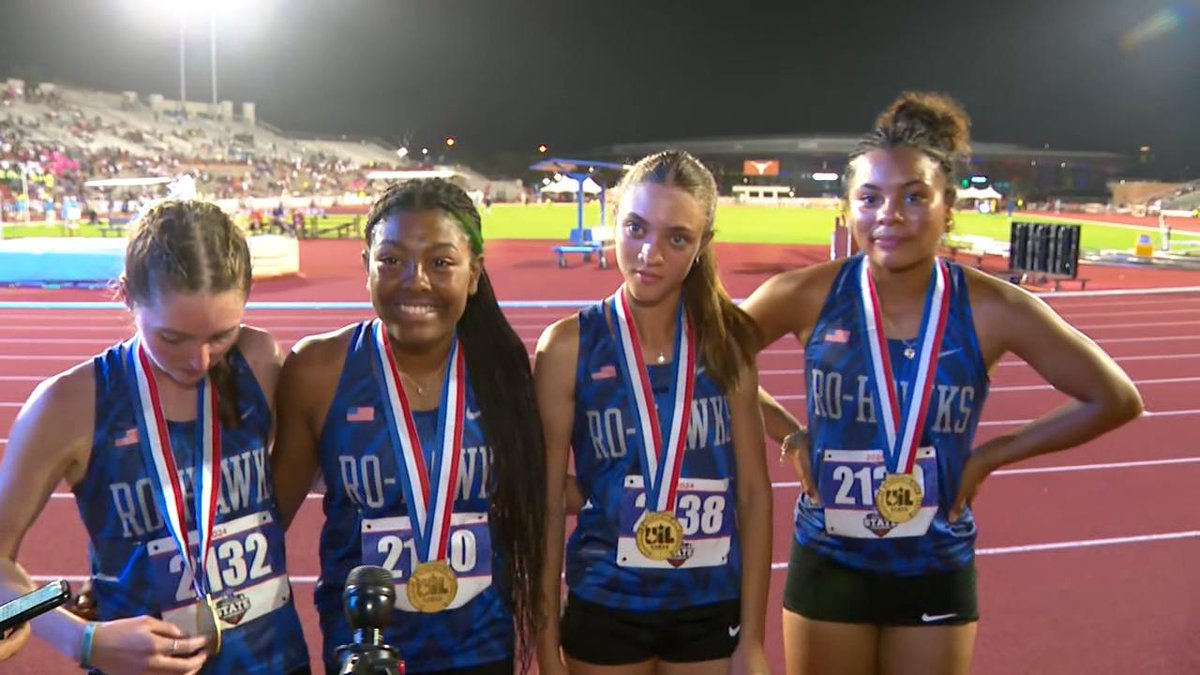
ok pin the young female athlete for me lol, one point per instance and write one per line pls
(422, 424)
(654, 390)
(163, 439)
(898, 347)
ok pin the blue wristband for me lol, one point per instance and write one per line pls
(85, 645)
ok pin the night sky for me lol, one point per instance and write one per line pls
(506, 75)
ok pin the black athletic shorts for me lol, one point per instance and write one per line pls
(604, 636)
(820, 589)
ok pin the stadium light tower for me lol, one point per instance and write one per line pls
(184, 12)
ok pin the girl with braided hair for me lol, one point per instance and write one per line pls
(898, 348)
(163, 441)
(422, 423)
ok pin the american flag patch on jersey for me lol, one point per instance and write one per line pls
(364, 413)
(605, 373)
(130, 437)
(840, 336)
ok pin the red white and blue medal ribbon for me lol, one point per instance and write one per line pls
(155, 443)
(662, 456)
(429, 490)
(903, 433)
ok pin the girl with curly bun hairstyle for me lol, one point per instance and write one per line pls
(898, 347)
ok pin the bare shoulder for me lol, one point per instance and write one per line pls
(557, 358)
(1003, 312)
(790, 302)
(259, 346)
(310, 374)
(66, 394)
(994, 299)
(804, 280)
(319, 357)
(57, 420)
(560, 339)
(323, 346)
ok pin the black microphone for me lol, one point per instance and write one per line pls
(370, 599)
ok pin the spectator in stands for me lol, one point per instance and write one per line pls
(882, 580)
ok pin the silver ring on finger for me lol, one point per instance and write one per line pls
(174, 646)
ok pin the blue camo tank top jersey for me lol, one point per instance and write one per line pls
(135, 566)
(366, 522)
(847, 438)
(604, 565)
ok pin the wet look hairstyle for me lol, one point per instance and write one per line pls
(726, 335)
(933, 123)
(502, 380)
(189, 247)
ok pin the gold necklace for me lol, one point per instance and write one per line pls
(413, 381)
(910, 349)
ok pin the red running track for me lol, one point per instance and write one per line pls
(1088, 558)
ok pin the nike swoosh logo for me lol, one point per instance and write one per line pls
(948, 352)
(473, 414)
(734, 630)
(930, 618)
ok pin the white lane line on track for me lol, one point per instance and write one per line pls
(778, 566)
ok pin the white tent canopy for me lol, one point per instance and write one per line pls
(980, 193)
(571, 186)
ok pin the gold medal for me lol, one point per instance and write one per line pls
(432, 587)
(208, 624)
(899, 498)
(659, 536)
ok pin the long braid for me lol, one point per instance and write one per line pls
(501, 377)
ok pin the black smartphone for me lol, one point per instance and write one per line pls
(33, 604)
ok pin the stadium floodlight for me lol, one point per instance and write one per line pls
(424, 151)
(542, 148)
(450, 141)
(186, 14)
(825, 175)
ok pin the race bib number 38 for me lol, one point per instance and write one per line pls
(848, 484)
(704, 510)
(245, 576)
(389, 543)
